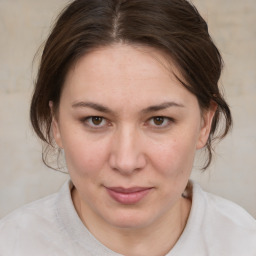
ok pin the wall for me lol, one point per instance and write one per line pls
(24, 25)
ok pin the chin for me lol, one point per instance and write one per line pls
(130, 219)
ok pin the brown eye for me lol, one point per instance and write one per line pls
(96, 120)
(159, 120)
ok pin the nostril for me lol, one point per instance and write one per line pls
(127, 151)
(127, 164)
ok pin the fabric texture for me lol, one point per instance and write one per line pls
(51, 226)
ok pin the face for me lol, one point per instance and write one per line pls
(129, 131)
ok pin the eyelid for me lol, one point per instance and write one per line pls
(169, 120)
(86, 122)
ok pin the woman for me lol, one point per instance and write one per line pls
(128, 90)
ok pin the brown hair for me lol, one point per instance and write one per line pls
(173, 26)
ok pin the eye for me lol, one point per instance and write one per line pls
(95, 121)
(160, 121)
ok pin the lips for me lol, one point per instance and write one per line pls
(130, 195)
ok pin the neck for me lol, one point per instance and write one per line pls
(156, 239)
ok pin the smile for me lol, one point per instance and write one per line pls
(128, 195)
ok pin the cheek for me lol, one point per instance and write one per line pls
(175, 156)
(84, 157)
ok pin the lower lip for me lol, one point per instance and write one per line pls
(128, 198)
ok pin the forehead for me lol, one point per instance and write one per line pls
(124, 72)
(123, 59)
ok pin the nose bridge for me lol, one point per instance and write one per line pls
(127, 152)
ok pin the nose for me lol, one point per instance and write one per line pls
(127, 152)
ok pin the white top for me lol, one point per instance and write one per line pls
(51, 226)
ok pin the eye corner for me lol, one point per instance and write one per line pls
(95, 122)
(165, 122)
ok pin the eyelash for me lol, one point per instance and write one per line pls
(166, 120)
(88, 122)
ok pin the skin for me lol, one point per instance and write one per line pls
(128, 146)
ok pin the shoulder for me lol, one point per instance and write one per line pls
(25, 223)
(226, 227)
(30, 229)
(216, 226)
(222, 211)
(229, 211)
(37, 210)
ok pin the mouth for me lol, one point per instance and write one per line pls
(128, 196)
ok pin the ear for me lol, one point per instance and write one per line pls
(55, 127)
(207, 117)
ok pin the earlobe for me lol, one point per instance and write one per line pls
(55, 127)
(56, 133)
(206, 125)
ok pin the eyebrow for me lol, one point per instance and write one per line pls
(162, 106)
(104, 109)
(96, 106)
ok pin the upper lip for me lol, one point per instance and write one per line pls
(128, 190)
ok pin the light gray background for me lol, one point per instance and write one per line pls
(24, 25)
